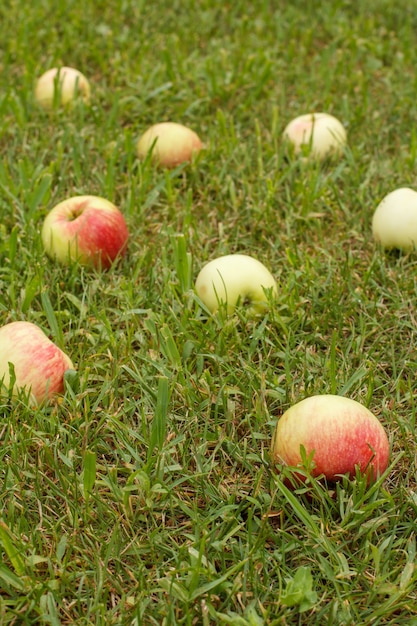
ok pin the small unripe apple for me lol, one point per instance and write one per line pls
(394, 223)
(39, 365)
(61, 86)
(171, 144)
(318, 135)
(338, 434)
(87, 229)
(232, 279)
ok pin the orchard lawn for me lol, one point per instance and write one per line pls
(145, 493)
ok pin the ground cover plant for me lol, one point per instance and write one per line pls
(145, 494)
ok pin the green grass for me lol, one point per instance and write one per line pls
(146, 494)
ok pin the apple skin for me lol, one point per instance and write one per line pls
(39, 365)
(87, 229)
(232, 278)
(394, 223)
(320, 132)
(171, 143)
(71, 83)
(339, 433)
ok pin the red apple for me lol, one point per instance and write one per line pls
(338, 434)
(87, 229)
(39, 365)
(171, 144)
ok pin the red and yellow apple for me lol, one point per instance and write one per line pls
(235, 278)
(61, 86)
(39, 365)
(87, 229)
(318, 135)
(394, 223)
(169, 144)
(338, 435)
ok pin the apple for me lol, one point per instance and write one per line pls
(394, 223)
(39, 365)
(87, 229)
(61, 85)
(337, 433)
(171, 144)
(232, 279)
(319, 135)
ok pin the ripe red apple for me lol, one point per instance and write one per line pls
(338, 433)
(61, 85)
(87, 229)
(39, 365)
(171, 144)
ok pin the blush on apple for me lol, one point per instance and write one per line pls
(39, 365)
(235, 278)
(338, 434)
(318, 135)
(394, 223)
(169, 144)
(87, 229)
(61, 86)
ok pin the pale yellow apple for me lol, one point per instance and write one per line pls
(318, 135)
(171, 144)
(236, 278)
(61, 86)
(394, 223)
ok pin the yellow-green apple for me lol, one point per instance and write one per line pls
(235, 278)
(394, 223)
(61, 86)
(87, 229)
(170, 144)
(39, 365)
(337, 434)
(318, 135)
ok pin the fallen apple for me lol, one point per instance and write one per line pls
(87, 229)
(338, 435)
(39, 365)
(61, 86)
(235, 278)
(394, 223)
(169, 144)
(318, 135)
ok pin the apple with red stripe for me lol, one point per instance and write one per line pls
(336, 435)
(39, 365)
(87, 229)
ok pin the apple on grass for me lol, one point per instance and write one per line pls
(39, 365)
(87, 229)
(318, 135)
(61, 86)
(235, 278)
(394, 223)
(169, 144)
(338, 435)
